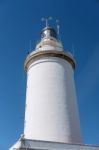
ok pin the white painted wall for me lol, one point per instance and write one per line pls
(51, 109)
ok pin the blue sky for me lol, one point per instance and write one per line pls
(20, 23)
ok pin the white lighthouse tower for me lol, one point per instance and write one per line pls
(51, 113)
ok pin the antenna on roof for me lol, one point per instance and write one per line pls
(30, 45)
(46, 20)
(58, 27)
(73, 49)
(29, 48)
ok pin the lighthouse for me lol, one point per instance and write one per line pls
(51, 113)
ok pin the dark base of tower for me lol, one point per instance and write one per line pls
(27, 144)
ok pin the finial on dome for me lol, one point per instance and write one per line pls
(46, 20)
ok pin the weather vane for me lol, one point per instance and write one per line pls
(46, 20)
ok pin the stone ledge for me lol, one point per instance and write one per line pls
(48, 53)
(26, 144)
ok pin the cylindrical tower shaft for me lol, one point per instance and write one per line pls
(51, 111)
